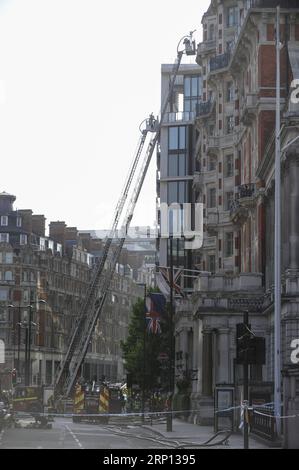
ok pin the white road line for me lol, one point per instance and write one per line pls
(1, 436)
(74, 437)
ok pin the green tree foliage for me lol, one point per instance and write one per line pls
(156, 372)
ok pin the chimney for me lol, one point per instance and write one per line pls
(57, 232)
(26, 215)
(71, 233)
(39, 225)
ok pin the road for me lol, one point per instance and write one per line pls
(68, 435)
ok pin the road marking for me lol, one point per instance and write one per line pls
(1, 436)
(74, 437)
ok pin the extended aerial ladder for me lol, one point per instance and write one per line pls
(103, 272)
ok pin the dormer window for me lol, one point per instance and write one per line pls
(4, 221)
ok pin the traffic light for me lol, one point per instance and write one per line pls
(243, 343)
(250, 349)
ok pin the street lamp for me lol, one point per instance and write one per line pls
(28, 325)
(28, 344)
(17, 366)
(144, 351)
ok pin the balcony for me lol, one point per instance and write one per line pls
(219, 62)
(179, 117)
(210, 242)
(204, 109)
(224, 283)
(205, 47)
(249, 108)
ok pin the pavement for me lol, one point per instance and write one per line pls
(193, 433)
(68, 435)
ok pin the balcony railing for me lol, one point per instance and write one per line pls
(246, 190)
(220, 61)
(203, 109)
(185, 116)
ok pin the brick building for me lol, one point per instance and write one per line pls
(55, 269)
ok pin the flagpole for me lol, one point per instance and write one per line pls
(171, 346)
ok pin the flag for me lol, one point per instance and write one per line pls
(163, 281)
(155, 309)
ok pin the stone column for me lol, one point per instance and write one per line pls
(223, 350)
(207, 364)
(293, 207)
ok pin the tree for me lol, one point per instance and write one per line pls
(133, 351)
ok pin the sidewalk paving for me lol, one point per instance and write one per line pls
(183, 431)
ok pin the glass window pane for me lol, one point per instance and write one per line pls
(194, 86)
(173, 138)
(187, 87)
(172, 192)
(173, 165)
(182, 165)
(182, 137)
(182, 197)
(187, 106)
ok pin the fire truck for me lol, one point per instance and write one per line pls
(95, 402)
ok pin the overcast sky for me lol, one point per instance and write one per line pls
(76, 79)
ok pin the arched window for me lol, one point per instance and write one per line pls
(8, 276)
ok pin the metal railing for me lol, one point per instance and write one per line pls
(205, 108)
(246, 190)
(220, 61)
(263, 423)
(182, 116)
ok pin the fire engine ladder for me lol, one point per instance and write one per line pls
(99, 286)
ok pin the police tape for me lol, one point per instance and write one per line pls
(156, 414)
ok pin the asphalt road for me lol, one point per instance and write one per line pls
(68, 435)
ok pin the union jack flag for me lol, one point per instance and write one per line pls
(155, 309)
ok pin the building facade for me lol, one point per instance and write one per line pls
(43, 280)
(235, 152)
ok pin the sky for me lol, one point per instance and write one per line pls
(77, 77)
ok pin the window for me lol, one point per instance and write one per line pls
(230, 124)
(19, 222)
(192, 92)
(8, 276)
(229, 166)
(211, 32)
(7, 258)
(212, 163)
(4, 220)
(212, 263)
(212, 198)
(230, 91)
(4, 293)
(229, 198)
(229, 244)
(177, 138)
(176, 192)
(177, 164)
(23, 239)
(232, 16)
(4, 237)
